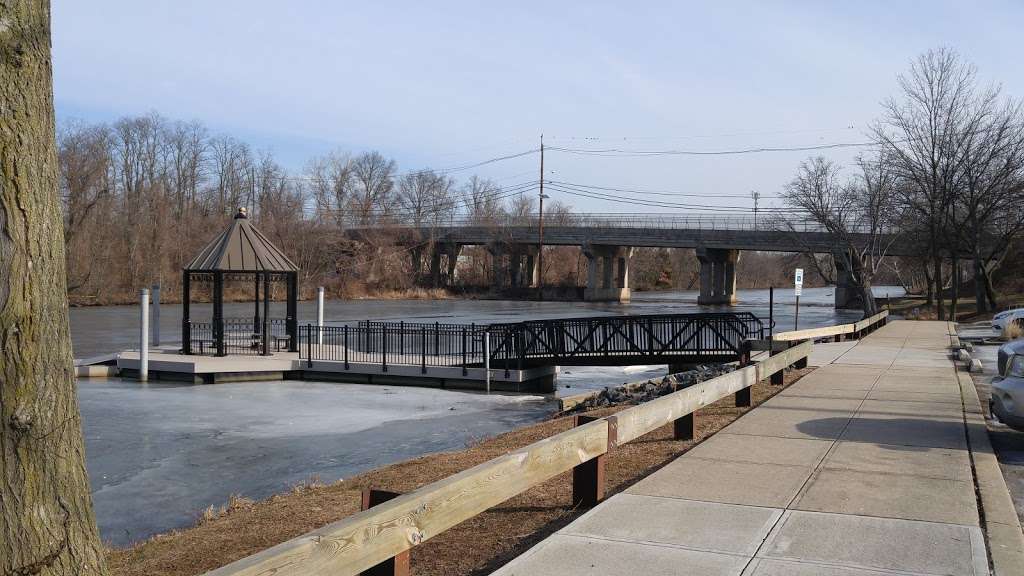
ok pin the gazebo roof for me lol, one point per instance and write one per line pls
(241, 248)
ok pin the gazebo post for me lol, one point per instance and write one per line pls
(186, 323)
(266, 314)
(256, 317)
(218, 312)
(292, 322)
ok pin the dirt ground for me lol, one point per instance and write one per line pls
(475, 547)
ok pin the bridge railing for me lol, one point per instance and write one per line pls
(359, 542)
(738, 221)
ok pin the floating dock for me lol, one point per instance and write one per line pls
(166, 363)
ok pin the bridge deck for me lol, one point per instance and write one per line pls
(862, 467)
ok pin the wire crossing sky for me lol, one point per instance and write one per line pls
(708, 101)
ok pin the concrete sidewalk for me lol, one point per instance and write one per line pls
(860, 468)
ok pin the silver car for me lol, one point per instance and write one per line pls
(1007, 400)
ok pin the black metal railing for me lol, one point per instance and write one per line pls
(571, 341)
(241, 336)
(394, 343)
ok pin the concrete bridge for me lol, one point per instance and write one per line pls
(607, 241)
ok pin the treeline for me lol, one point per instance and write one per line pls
(944, 175)
(143, 194)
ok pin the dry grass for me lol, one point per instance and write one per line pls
(1012, 331)
(913, 308)
(477, 546)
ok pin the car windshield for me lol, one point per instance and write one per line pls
(1016, 369)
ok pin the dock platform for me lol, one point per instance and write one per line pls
(167, 363)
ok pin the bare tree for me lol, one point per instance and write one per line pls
(374, 177)
(481, 199)
(988, 210)
(47, 523)
(923, 137)
(424, 196)
(858, 214)
(331, 181)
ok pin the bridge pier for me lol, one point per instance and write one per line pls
(717, 275)
(607, 273)
(522, 266)
(451, 250)
(847, 295)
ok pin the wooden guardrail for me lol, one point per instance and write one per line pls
(856, 329)
(364, 540)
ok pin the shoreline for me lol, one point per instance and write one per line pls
(477, 546)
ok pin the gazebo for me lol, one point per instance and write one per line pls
(243, 255)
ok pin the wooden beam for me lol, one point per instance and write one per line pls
(639, 420)
(351, 545)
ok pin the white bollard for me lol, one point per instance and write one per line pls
(319, 315)
(144, 335)
(155, 324)
(487, 360)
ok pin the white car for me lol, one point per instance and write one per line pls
(999, 321)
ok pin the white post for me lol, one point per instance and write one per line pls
(144, 335)
(319, 315)
(155, 324)
(487, 360)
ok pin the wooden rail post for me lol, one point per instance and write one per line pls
(588, 479)
(777, 378)
(685, 428)
(801, 363)
(743, 394)
(397, 565)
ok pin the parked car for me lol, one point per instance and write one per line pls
(1007, 399)
(1000, 320)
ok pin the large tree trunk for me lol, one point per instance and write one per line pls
(46, 520)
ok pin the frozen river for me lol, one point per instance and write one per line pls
(158, 454)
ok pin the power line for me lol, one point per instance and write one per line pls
(698, 136)
(620, 152)
(653, 203)
(652, 192)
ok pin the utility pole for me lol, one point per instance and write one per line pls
(756, 196)
(540, 227)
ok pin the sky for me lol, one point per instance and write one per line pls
(450, 84)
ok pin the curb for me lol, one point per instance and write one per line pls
(999, 517)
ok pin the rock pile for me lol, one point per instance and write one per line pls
(639, 392)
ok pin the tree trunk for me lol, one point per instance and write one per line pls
(955, 298)
(937, 278)
(929, 286)
(47, 525)
(990, 291)
(980, 298)
(867, 297)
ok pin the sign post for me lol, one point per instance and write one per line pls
(144, 335)
(798, 284)
(487, 359)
